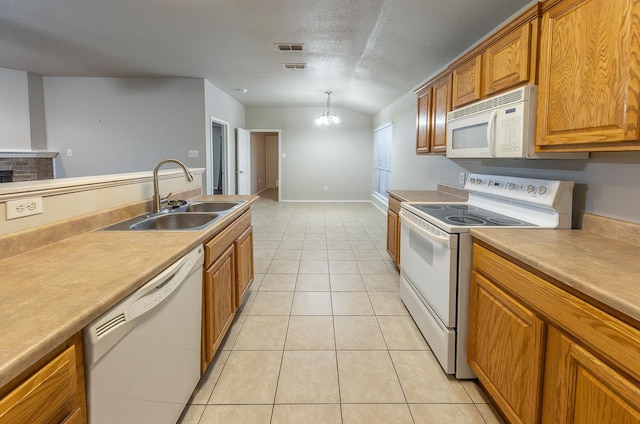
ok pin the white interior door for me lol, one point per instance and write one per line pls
(243, 161)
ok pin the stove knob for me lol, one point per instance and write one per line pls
(530, 188)
(511, 186)
(542, 190)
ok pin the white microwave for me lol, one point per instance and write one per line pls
(502, 126)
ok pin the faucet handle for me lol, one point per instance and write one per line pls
(165, 199)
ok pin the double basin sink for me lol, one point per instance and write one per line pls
(185, 216)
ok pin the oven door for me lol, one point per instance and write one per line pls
(429, 260)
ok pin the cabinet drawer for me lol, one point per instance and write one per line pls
(394, 205)
(217, 245)
(47, 396)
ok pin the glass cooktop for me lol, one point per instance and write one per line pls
(469, 216)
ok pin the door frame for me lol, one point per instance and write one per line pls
(225, 155)
(279, 132)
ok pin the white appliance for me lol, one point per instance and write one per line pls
(142, 357)
(502, 126)
(437, 251)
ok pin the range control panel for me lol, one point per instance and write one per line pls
(529, 190)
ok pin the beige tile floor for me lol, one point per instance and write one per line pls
(323, 336)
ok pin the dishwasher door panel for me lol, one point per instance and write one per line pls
(148, 375)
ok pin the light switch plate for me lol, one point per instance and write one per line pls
(24, 207)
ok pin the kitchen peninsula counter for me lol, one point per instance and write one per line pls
(53, 292)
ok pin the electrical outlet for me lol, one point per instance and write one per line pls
(326, 188)
(69, 152)
(461, 178)
(24, 207)
(194, 153)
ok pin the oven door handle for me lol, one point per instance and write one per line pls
(444, 240)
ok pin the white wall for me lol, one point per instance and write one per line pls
(408, 170)
(15, 126)
(220, 105)
(606, 184)
(115, 125)
(339, 157)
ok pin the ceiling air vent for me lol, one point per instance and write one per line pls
(294, 65)
(290, 47)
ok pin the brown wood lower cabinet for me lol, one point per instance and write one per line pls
(51, 391)
(393, 230)
(228, 274)
(219, 301)
(506, 350)
(244, 277)
(580, 388)
(545, 355)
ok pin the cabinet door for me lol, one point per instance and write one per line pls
(467, 82)
(507, 63)
(244, 267)
(441, 107)
(506, 349)
(580, 388)
(423, 133)
(219, 301)
(48, 396)
(393, 236)
(588, 76)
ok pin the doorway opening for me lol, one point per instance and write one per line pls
(265, 163)
(217, 158)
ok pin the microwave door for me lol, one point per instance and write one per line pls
(467, 136)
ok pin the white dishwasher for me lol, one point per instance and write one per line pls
(142, 357)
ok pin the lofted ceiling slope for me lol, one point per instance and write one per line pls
(368, 52)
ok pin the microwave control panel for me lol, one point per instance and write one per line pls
(509, 134)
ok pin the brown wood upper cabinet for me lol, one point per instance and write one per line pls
(504, 61)
(589, 76)
(434, 102)
(424, 120)
(467, 82)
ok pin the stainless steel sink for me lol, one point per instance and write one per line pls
(192, 216)
(176, 221)
(210, 206)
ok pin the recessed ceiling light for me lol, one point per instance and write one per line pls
(241, 90)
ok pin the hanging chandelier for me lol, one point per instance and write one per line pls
(328, 117)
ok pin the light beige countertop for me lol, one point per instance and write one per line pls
(603, 268)
(51, 293)
(443, 194)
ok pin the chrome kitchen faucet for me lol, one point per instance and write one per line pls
(156, 193)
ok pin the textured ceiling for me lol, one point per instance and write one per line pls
(368, 52)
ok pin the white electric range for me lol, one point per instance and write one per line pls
(436, 252)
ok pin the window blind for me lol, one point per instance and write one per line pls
(383, 141)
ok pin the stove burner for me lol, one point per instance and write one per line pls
(504, 220)
(462, 207)
(465, 220)
(431, 207)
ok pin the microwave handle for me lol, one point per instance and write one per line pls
(490, 138)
